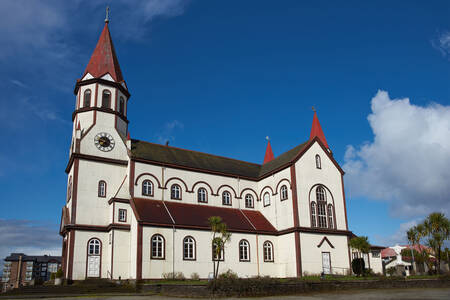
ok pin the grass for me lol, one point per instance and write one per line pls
(176, 282)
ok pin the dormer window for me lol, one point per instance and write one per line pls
(121, 105)
(87, 98)
(318, 162)
(226, 198)
(106, 99)
(175, 192)
(266, 199)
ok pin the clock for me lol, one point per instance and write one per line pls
(104, 141)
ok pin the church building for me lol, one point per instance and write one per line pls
(137, 210)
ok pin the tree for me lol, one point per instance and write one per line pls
(361, 244)
(412, 235)
(220, 237)
(437, 228)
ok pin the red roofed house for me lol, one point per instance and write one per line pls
(137, 210)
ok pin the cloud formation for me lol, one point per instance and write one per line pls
(167, 133)
(442, 43)
(408, 161)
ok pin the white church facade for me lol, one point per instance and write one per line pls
(137, 210)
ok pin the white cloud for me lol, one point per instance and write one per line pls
(399, 237)
(167, 133)
(442, 43)
(408, 161)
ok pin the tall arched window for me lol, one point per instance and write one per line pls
(157, 247)
(102, 188)
(69, 189)
(268, 251)
(189, 248)
(266, 199)
(248, 201)
(244, 250)
(175, 192)
(121, 105)
(226, 198)
(321, 206)
(202, 195)
(330, 216)
(94, 247)
(87, 98)
(147, 188)
(313, 214)
(106, 99)
(318, 162)
(284, 192)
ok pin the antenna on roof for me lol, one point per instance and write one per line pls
(167, 143)
(107, 14)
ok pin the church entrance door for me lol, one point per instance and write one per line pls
(93, 266)
(326, 263)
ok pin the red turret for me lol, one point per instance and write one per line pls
(128, 136)
(269, 154)
(316, 130)
(104, 59)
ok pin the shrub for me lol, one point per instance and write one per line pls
(391, 271)
(59, 273)
(52, 276)
(358, 266)
(229, 274)
(174, 275)
(229, 284)
(195, 276)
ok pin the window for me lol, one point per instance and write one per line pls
(94, 247)
(69, 189)
(87, 98)
(318, 162)
(147, 188)
(248, 201)
(106, 99)
(102, 188)
(284, 192)
(375, 254)
(121, 105)
(175, 192)
(321, 207)
(226, 198)
(313, 214)
(122, 215)
(202, 195)
(268, 251)
(189, 248)
(330, 216)
(157, 247)
(266, 199)
(215, 255)
(320, 194)
(244, 250)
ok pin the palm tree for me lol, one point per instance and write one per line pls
(220, 237)
(437, 228)
(412, 235)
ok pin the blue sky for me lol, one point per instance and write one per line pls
(219, 76)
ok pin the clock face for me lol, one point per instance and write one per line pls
(104, 141)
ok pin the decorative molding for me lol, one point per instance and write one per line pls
(325, 239)
(101, 109)
(94, 158)
(113, 84)
(147, 174)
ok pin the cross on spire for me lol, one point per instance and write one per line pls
(107, 15)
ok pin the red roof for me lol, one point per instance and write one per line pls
(269, 154)
(388, 252)
(104, 59)
(196, 216)
(316, 130)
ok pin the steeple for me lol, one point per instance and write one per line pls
(269, 154)
(104, 59)
(316, 130)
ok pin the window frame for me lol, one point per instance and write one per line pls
(194, 248)
(244, 244)
(163, 247)
(87, 91)
(321, 198)
(94, 252)
(284, 192)
(205, 194)
(124, 211)
(264, 199)
(330, 216)
(227, 194)
(252, 201)
(318, 160)
(121, 105)
(100, 194)
(272, 255)
(106, 92)
(172, 193)
(313, 214)
(144, 193)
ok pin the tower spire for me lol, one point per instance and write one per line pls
(107, 15)
(316, 130)
(269, 154)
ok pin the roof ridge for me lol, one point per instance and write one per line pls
(215, 155)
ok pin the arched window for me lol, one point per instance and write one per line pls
(202, 195)
(94, 247)
(268, 251)
(321, 207)
(248, 201)
(175, 192)
(69, 189)
(102, 188)
(226, 198)
(266, 199)
(313, 214)
(189, 248)
(106, 99)
(121, 105)
(244, 250)
(330, 216)
(157, 247)
(87, 98)
(284, 192)
(147, 188)
(318, 162)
